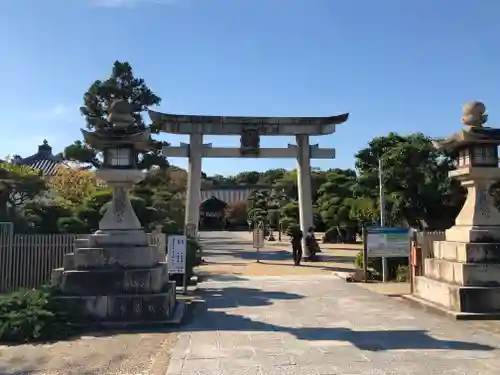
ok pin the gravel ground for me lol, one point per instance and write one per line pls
(124, 354)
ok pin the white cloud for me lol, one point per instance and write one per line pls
(124, 3)
(59, 112)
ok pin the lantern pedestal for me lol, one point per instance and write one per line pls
(479, 219)
(463, 278)
(115, 276)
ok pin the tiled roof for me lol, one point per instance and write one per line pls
(43, 160)
(47, 167)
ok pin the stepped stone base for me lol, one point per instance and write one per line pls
(115, 277)
(467, 299)
(463, 278)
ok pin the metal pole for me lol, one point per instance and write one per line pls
(365, 254)
(381, 193)
(382, 214)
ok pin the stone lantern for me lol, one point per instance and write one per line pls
(476, 151)
(115, 276)
(463, 278)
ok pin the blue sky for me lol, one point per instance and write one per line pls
(395, 65)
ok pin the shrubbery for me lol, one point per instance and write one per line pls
(31, 315)
(398, 268)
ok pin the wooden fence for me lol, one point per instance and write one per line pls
(425, 246)
(27, 260)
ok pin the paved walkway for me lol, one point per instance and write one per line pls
(316, 324)
(232, 253)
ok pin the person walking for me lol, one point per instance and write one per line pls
(296, 239)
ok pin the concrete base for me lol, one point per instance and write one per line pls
(463, 299)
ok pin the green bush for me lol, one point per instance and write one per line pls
(397, 268)
(30, 315)
(358, 262)
(402, 274)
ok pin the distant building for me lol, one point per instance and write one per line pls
(43, 160)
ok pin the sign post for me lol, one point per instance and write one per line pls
(365, 255)
(387, 243)
(176, 258)
(258, 240)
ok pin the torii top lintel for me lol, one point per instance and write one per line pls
(235, 125)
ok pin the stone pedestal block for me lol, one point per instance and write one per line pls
(112, 281)
(133, 308)
(470, 233)
(461, 299)
(467, 252)
(463, 274)
(125, 257)
(117, 238)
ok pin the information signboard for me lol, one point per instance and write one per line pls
(387, 242)
(176, 256)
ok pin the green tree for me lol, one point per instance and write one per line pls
(122, 84)
(247, 178)
(258, 206)
(270, 176)
(18, 185)
(334, 204)
(416, 184)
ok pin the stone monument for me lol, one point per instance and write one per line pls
(250, 129)
(115, 276)
(464, 276)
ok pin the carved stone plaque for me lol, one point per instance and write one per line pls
(250, 141)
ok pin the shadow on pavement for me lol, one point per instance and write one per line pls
(206, 317)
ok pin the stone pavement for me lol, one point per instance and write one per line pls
(232, 253)
(318, 324)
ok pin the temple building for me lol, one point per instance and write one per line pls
(43, 160)
(216, 199)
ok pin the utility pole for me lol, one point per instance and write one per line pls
(381, 193)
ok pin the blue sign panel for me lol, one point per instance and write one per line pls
(387, 242)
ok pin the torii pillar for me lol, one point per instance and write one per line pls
(304, 185)
(193, 199)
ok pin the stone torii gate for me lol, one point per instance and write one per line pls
(249, 129)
